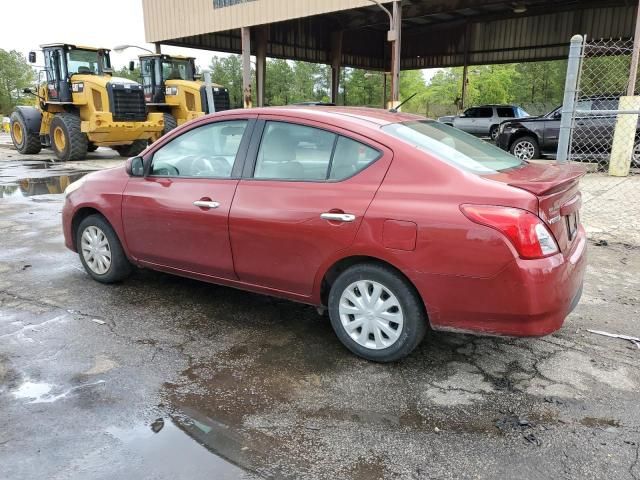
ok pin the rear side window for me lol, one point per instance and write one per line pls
(485, 112)
(505, 112)
(301, 153)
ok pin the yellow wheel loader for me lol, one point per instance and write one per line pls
(171, 87)
(80, 106)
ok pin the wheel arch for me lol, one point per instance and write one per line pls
(522, 133)
(340, 265)
(78, 216)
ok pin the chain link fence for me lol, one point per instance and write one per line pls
(603, 120)
(604, 137)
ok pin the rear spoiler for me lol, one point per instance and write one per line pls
(555, 178)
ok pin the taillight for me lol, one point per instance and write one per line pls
(526, 231)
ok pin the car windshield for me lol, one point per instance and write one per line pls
(454, 146)
(87, 61)
(176, 70)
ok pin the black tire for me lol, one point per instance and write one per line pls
(131, 150)
(493, 132)
(120, 267)
(414, 314)
(520, 143)
(92, 147)
(75, 142)
(170, 123)
(30, 143)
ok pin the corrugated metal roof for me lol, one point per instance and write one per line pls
(434, 31)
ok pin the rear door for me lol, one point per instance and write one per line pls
(177, 216)
(304, 192)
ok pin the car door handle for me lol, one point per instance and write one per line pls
(206, 204)
(338, 217)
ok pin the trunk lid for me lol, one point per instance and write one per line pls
(558, 192)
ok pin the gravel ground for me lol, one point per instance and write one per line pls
(162, 377)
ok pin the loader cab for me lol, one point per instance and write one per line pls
(62, 61)
(157, 69)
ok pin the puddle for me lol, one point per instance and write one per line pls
(26, 179)
(42, 392)
(176, 448)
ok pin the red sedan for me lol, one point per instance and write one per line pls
(390, 221)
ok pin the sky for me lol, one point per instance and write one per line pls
(27, 24)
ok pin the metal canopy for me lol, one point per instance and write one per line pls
(435, 32)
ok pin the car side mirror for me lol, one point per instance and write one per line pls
(557, 115)
(135, 167)
(32, 57)
(28, 91)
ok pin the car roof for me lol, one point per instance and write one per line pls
(364, 116)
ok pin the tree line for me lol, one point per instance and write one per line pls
(536, 86)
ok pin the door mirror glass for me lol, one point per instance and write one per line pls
(135, 167)
(132, 66)
(557, 115)
(32, 57)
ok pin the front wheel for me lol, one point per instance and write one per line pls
(67, 140)
(376, 313)
(525, 148)
(100, 250)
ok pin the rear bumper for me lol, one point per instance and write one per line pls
(527, 298)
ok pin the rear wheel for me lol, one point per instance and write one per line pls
(26, 142)
(376, 313)
(67, 140)
(131, 150)
(525, 148)
(100, 250)
(170, 123)
(493, 133)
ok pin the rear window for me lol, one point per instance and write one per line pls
(454, 146)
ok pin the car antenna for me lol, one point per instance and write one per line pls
(395, 109)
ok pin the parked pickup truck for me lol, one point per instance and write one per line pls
(484, 121)
(536, 137)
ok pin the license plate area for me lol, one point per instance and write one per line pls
(572, 220)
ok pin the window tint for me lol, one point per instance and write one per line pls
(454, 146)
(505, 112)
(471, 113)
(294, 152)
(350, 157)
(207, 151)
(485, 112)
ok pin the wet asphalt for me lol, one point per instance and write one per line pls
(161, 377)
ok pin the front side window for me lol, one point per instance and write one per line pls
(454, 146)
(207, 151)
(297, 152)
(87, 61)
(176, 70)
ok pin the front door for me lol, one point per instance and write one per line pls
(177, 215)
(302, 201)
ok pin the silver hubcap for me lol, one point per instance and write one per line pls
(96, 250)
(636, 154)
(494, 134)
(524, 150)
(371, 314)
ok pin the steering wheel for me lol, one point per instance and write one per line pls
(214, 167)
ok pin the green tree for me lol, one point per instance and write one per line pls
(124, 72)
(227, 71)
(278, 85)
(15, 75)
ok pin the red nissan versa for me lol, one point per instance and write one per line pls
(388, 220)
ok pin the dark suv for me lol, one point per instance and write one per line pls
(535, 137)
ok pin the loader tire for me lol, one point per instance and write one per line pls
(169, 123)
(131, 150)
(67, 140)
(26, 142)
